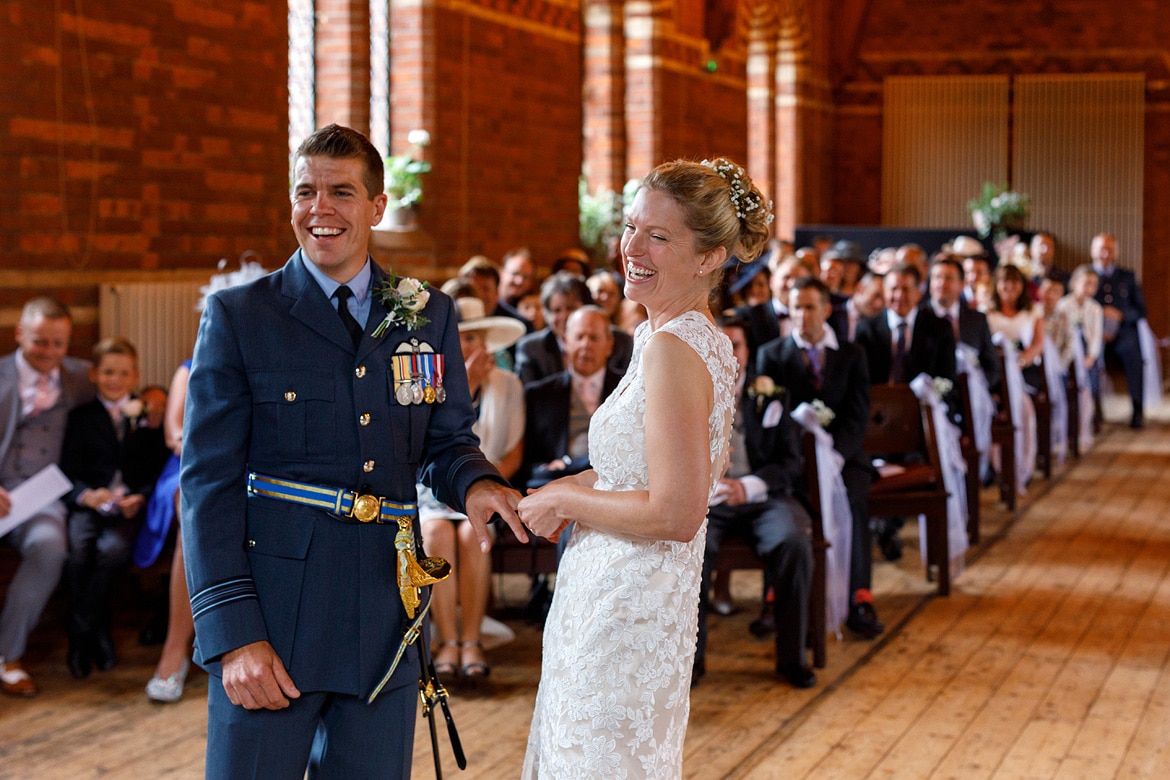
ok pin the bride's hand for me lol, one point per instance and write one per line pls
(540, 509)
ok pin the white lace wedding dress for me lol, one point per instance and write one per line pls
(620, 637)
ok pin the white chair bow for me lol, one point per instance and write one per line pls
(1023, 414)
(954, 471)
(836, 518)
(1151, 366)
(1054, 374)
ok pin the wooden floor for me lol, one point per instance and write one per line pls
(1048, 661)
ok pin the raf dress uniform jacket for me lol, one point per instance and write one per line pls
(278, 388)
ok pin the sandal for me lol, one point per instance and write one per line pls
(446, 668)
(475, 670)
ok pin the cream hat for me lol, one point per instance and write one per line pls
(965, 246)
(498, 332)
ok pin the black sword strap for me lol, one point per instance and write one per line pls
(431, 690)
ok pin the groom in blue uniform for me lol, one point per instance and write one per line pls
(304, 437)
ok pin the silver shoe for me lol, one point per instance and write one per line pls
(170, 689)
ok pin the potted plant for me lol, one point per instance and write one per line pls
(404, 181)
(998, 210)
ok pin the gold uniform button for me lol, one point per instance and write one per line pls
(364, 419)
(290, 396)
(368, 466)
(359, 372)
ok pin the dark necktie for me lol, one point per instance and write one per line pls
(954, 325)
(898, 374)
(355, 331)
(814, 367)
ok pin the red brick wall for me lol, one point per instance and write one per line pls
(506, 135)
(142, 135)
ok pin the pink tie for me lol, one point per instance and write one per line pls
(42, 400)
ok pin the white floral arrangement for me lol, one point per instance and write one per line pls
(942, 386)
(133, 410)
(825, 415)
(742, 198)
(998, 210)
(763, 388)
(403, 299)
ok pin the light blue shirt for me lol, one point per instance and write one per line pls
(359, 302)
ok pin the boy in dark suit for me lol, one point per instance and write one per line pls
(113, 460)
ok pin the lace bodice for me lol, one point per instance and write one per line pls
(620, 637)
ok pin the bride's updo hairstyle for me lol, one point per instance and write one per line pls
(722, 205)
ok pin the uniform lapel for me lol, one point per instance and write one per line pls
(309, 304)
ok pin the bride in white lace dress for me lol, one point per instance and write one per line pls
(620, 637)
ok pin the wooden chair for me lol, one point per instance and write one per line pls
(1043, 405)
(1003, 433)
(901, 428)
(970, 457)
(1072, 392)
(735, 553)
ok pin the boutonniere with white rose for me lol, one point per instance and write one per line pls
(403, 299)
(132, 411)
(825, 415)
(942, 386)
(763, 388)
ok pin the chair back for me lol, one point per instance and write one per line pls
(896, 422)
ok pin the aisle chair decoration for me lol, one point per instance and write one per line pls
(954, 472)
(836, 517)
(1023, 413)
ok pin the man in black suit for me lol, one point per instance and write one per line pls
(760, 498)
(836, 374)
(900, 343)
(558, 408)
(904, 341)
(541, 354)
(1121, 298)
(968, 325)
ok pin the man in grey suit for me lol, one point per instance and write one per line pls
(307, 425)
(39, 384)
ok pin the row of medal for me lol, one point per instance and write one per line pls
(418, 378)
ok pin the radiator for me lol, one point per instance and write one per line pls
(159, 318)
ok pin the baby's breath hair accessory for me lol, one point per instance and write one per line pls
(743, 198)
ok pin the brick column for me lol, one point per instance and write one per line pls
(343, 63)
(644, 125)
(761, 99)
(604, 125)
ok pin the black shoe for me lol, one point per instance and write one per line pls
(78, 658)
(1137, 422)
(798, 675)
(103, 650)
(764, 625)
(891, 545)
(863, 621)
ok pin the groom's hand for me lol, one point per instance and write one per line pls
(485, 498)
(255, 678)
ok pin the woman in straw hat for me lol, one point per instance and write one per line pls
(498, 398)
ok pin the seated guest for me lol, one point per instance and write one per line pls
(1057, 327)
(813, 364)
(915, 255)
(559, 407)
(113, 460)
(38, 387)
(832, 270)
(1042, 253)
(968, 325)
(517, 276)
(760, 498)
(750, 282)
(574, 261)
(903, 341)
(605, 287)
(529, 307)
(1123, 307)
(900, 343)
(485, 278)
(541, 354)
(865, 301)
(1084, 314)
(1014, 315)
(498, 400)
(976, 271)
(769, 320)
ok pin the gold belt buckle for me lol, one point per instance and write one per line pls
(367, 508)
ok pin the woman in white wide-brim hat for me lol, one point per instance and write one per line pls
(498, 399)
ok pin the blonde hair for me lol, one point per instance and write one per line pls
(722, 205)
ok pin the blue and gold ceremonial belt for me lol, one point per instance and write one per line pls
(348, 506)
